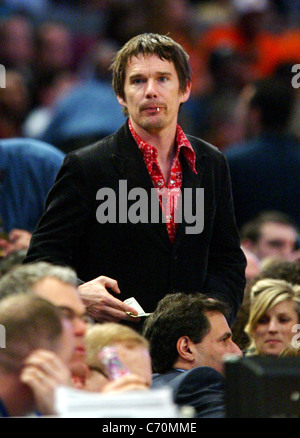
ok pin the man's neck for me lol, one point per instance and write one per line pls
(162, 139)
(183, 365)
(165, 143)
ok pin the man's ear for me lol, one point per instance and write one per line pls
(121, 101)
(185, 348)
(186, 94)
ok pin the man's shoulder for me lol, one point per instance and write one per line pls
(202, 146)
(205, 375)
(100, 149)
(202, 387)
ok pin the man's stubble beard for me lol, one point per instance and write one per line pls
(154, 124)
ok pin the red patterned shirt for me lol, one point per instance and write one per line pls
(169, 193)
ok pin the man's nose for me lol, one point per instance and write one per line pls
(151, 90)
(79, 327)
(235, 350)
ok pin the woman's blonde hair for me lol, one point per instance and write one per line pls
(102, 335)
(265, 295)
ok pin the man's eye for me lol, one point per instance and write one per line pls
(276, 243)
(137, 81)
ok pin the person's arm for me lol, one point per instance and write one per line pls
(226, 265)
(63, 224)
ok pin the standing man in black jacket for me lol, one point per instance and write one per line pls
(147, 210)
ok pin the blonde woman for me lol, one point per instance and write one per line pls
(274, 312)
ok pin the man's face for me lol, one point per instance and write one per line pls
(276, 240)
(217, 343)
(66, 344)
(152, 94)
(66, 297)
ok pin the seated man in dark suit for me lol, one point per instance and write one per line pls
(189, 336)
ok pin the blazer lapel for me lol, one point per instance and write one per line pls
(131, 167)
(190, 181)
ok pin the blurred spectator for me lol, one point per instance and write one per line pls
(248, 34)
(27, 170)
(17, 44)
(279, 269)
(265, 169)
(39, 344)
(14, 104)
(124, 18)
(54, 54)
(91, 111)
(58, 285)
(212, 115)
(96, 64)
(270, 268)
(32, 7)
(177, 18)
(253, 264)
(38, 120)
(271, 234)
(274, 311)
(132, 350)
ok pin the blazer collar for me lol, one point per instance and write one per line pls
(131, 167)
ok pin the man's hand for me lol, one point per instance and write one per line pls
(17, 239)
(100, 304)
(43, 372)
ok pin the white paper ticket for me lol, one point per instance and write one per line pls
(132, 302)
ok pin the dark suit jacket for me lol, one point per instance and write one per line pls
(202, 388)
(140, 256)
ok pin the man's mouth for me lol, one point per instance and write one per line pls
(152, 109)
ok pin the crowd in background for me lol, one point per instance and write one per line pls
(49, 48)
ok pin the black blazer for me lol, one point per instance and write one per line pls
(140, 256)
(202, 387)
